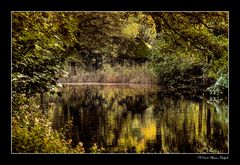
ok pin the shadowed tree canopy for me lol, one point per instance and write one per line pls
(200, 34)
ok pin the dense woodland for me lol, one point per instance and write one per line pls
(185, 53)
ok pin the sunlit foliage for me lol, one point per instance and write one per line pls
(38, 51)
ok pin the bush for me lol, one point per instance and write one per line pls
(95, 149)
(220, 87)
(32, 131)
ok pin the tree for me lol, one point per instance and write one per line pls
(192, 38)
(104, 36)
(39, 47)
(202, 34)
(95, 33)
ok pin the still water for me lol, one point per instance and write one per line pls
(137, 119)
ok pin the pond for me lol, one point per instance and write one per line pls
(138, 119)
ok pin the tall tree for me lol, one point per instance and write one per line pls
(200, 34)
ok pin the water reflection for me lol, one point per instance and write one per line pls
(137, 119)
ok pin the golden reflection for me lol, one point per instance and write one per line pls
(130, 119)
(138, 131)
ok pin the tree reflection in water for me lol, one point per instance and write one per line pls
(127, 119)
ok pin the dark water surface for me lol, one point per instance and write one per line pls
(129, 119)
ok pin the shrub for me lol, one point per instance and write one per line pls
(95, 149)
(220, 87)
(32, 131)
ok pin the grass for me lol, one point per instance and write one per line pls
(117, 74)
